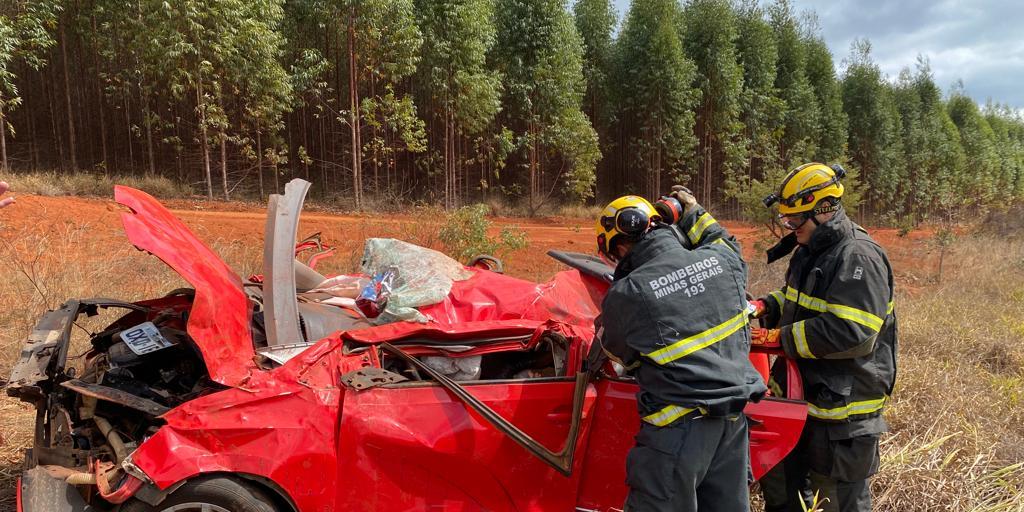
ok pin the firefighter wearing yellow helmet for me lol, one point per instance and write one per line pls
(835, 317)
(676, 315)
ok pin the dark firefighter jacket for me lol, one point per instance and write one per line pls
(837, 319)
(677, 308)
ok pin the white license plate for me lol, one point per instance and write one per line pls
(145, 338)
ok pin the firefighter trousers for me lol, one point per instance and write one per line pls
(837, 470)
(696, 464)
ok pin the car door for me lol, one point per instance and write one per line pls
(416, 446)
(775, 426)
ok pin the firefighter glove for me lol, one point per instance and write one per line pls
(765, 337)
(685, 198)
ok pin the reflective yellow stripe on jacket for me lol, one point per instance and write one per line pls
(800, 340)
(844, 412)
(699, 227)
(778, 297)
(687, 346)
(669, 414)
(859, 316)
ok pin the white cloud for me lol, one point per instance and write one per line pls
(978, 42)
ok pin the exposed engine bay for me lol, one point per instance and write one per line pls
(97, 406)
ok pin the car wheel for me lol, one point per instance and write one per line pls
(218, 494)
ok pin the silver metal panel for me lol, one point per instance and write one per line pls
(281, 313)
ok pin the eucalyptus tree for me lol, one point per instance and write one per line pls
(461, 94)
(539, 54)
(656, 97)
(596, 21)
(25, 36)
(709, 33)
(802, 113)
(874, 128)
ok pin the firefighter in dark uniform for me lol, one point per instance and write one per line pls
(677, 316)
(835, 317)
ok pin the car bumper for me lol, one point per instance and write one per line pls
(39, 492)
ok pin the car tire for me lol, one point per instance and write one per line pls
(216, 494)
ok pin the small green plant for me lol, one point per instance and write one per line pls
(465, 233)
(944, 237)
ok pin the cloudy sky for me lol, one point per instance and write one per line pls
(980, 41)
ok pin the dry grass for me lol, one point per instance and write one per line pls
(957, 416)
(51, 183)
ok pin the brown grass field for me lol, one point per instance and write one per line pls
(957, 417)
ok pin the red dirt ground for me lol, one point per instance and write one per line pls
(219, 222)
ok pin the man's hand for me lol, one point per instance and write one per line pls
(768, 338)
(3, 190)
(685, 198)
(758, 307)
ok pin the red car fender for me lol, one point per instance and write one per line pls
(281, 428)
(298, 453)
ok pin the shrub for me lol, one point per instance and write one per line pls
(465, 233)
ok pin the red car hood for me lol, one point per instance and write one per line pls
(220, 316)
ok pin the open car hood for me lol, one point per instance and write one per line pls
(220, 316)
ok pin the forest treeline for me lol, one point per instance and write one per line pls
(457, 101)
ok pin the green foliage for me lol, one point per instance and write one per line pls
(470, 100)
(595, 23)
(874, 129)
(708, 31)
(25, 36)
(831, 140)
(465, 233)
(761, 108)
(540, 54)
(983, 183)
(802, 112)
(655, 94)
(456, 37)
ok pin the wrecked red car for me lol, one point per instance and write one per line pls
(262, 395)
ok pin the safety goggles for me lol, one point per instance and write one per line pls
(793, 222)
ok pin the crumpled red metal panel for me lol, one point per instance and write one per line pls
(443, 331)
(282, 426)
(567, 297)
(219, 321)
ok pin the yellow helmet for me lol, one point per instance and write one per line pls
(626, 218)
(805, 186)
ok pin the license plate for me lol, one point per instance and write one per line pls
(145, 338)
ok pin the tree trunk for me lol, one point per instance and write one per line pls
(58, 139)
(259, 161)
(353, 84)
(99, 99)
(373, 137)
(224, 163)
(128, 125)
(305, 141)
(33, 142)
(203, 140)
(3, 138)
(67, 97)
(147, 121)
(277, 178)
